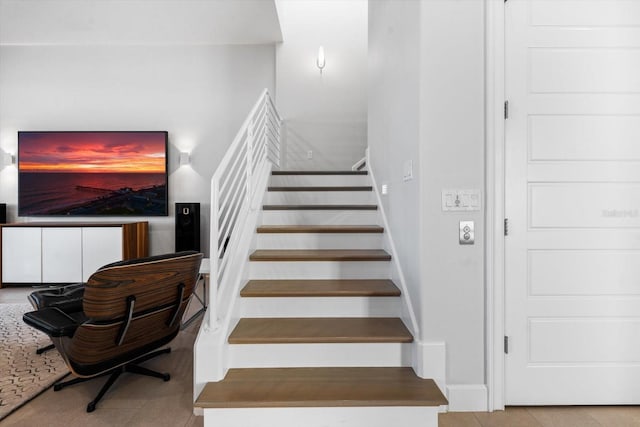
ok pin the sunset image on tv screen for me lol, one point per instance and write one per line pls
(92, 173)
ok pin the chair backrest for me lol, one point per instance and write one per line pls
(133, 307)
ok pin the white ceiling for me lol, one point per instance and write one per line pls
(120, 22)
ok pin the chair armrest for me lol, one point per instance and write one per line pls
(66, 298)
(52, 321)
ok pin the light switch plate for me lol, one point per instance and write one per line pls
(467, 233)
(461, 200)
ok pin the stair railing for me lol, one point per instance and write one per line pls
(233, 185)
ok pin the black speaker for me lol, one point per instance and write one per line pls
(3, 213)
(187, 227)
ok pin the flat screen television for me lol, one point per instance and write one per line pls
(92, 173)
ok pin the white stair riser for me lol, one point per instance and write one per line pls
(319, 198)
(319, 241)
(319, 180)
(326, 355)
(319, 270)
(423, 416)
(320, 217)
(321, 307)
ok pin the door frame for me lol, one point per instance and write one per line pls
(495, 202)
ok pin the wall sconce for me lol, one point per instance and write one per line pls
(7, 159)
(185, 159)
(320, 61)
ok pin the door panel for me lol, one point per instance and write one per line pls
(584, 138)
(572, 282)
(583, 272)
(593, 13)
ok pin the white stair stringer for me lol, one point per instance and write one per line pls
(429, 357)
(211, 347)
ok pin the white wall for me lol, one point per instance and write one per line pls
(323, 113)
(394, 125)
(426, 59)
(199, 94)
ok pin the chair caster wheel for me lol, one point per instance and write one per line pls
(57, 387)
(91, 407)
(166, 377)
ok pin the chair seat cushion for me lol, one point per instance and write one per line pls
(52, 321)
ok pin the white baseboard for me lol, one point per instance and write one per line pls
(430, 362)
(467, 397)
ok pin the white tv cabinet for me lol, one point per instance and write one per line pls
(42, 252)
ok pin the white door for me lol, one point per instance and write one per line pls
(572, 288)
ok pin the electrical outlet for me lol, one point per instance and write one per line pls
(310, 154)
(384, 189)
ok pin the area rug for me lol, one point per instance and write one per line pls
(23, 373)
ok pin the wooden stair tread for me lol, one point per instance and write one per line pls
(300, 330)
(319, 207)
(320, 288)
(320, 188)
(319, 173)
(320, 255)
(320, 229)
(320, 387)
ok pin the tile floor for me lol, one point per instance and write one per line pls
(142, 401)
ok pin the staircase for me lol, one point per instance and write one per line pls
(319, 341)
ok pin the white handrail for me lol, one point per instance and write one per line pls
(233, 184)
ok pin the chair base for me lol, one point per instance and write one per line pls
(45, 348)
(132, 367)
